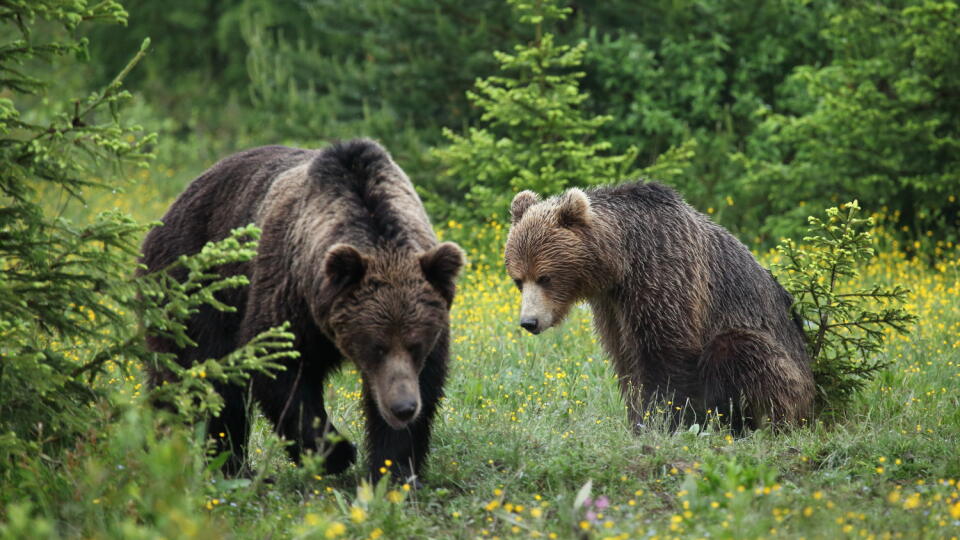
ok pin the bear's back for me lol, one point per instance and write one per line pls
(373, 202)
(718, 270)
(224, 197)
(365, 197)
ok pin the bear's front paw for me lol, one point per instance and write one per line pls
(342, 455)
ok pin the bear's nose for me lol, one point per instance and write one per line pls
(404, 410)
(530, 324)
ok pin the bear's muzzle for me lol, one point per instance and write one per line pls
(396, 389)
(536, 310)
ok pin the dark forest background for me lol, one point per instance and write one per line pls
(776, 107)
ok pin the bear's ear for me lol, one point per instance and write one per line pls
(521, 202)
(574, 208)
(344, 265)
(441, 265)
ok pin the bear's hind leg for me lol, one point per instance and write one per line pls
(750, 380)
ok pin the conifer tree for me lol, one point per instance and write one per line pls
(68, 298)
(59, 285)
(845, 323)
(536, 135)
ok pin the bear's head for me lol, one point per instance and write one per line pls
(388, 310)
(548, 255)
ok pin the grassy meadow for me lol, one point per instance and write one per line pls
(532, 440)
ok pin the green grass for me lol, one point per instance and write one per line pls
(531, 422)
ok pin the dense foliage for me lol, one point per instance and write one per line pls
(68, 295)
(776, 105)
(62, 289)
(880, 122)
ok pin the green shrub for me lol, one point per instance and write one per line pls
(164, 305)
(846, 321)
(63, 286)
(68, 298)
(880, 123)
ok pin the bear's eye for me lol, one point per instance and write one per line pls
(519, 284)
(543, 280)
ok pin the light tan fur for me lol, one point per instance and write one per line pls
(681, 307)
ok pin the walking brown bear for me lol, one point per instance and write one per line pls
(348, 256)
(681, 306)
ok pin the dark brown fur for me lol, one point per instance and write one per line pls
(348, 256)
(682, 307)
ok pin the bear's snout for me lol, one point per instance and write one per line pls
(397, 390)
(536, 313)
(404, 410)
(401, 404)
(530, 324)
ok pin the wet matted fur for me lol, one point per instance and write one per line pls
(348, 256)
(681, 306)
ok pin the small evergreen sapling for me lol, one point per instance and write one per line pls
(538, 136)
(845, 322)
(168, 304)
(67, 292)
(61, 318)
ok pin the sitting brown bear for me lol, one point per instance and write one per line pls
(682, 307)
(348, 256)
